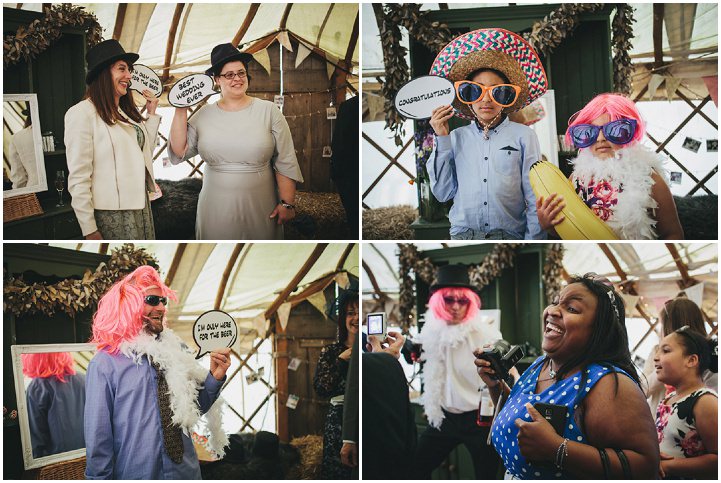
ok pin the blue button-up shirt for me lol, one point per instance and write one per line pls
(123, 432)
(487, 179)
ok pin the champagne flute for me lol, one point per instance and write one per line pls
(60, 186)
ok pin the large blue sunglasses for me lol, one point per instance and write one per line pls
(620, 131)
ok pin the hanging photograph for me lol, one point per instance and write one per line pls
(691, 144)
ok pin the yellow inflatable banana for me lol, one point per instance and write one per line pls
(580, 222)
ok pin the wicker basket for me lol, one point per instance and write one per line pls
(19, 207)
(65, 470)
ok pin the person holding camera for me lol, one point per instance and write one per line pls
(579, 410)
(453, 329)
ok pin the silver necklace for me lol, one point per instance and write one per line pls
(551, 372)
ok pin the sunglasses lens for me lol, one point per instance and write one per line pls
(583, 135)
(469, 92)
(453, 300)
(504, 95)
(154, 300)
(619, 132)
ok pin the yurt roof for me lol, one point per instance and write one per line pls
(655, 268)
(180, 36)
(249, 281)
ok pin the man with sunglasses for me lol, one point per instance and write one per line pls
(145, 391)
(483, 167)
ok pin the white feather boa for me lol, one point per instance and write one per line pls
(437, 337)
(631, 167)
(185, 377)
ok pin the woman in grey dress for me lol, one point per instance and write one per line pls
(251, 169)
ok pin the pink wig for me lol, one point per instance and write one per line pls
(440, 310)
(48, 364)
(616, 106)
(120, 312)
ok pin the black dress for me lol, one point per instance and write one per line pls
(329, 381)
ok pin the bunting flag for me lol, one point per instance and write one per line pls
(283, 314)
(331, 61)
(284, 40)
(303, 53)
(653, 84)
(630, 301)
(695, 293)
(319, 301)
(672, 84)
(342, 280)
(259, 324)
(263, 59)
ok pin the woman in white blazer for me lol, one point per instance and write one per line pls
(109, 148)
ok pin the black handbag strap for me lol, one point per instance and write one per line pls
(606, 464)
(625, 466)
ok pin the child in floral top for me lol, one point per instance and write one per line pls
(687, 419)
(619, 179)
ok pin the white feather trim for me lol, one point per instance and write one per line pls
(185, 378)
(437, 336)
(632, 218)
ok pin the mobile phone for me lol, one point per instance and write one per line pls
(554, 414)
(376, 323)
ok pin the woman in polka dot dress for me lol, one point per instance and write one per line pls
(608, 430)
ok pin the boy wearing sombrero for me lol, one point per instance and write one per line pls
(483, 167)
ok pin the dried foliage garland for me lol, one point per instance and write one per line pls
(553, 271)
(28, 42)
(433, 35)
(73, 296)
(558, 25)
(501, 257)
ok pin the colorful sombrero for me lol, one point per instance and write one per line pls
(498, 49)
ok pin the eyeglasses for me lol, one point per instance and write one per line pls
(154, 300)
(462, 301)
(620, 131)
(469, 92)
(231, 75)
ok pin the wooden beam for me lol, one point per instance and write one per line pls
(614, 261)
(284, 18)
(352, 43)
(658, 12)
(344, 257)
(686, 280)
(174, 264)
(119, 20)
(315, 287)
(171, 40)
(700, 113)
(702, 181)
(372, 278)
(246, 24)
(226, 273)
(103, 248)
(292, 285)
(323, 24)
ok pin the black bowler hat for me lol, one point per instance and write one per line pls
(266, 445)
(455, 276)
(105, 54)
(224, 53)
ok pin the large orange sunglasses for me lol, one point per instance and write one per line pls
(504, 95)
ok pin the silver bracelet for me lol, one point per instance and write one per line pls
(561, 454)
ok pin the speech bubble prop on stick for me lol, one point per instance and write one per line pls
(190, 90)
(418, 98)
(145, 78)
(213, 330)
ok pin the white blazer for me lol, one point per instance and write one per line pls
(106, 167)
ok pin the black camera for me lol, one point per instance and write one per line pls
(502, 356)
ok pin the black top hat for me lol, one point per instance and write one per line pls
(452, 276)
(105, 54)
(224, 53)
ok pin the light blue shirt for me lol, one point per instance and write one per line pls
(123, 433)
(487, 179)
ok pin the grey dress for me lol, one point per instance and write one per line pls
(241, 150)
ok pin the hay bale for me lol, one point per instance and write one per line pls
(392, 223)
(310, 448)
(319, 216)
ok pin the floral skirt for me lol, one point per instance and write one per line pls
(126, 224)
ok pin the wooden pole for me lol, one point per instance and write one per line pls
(119, 20)
(246, 24)
(171, 40)
(226, 273)
(174, 264)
